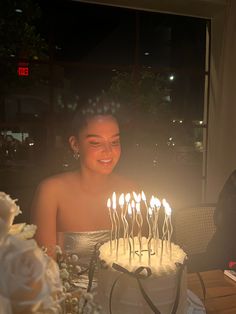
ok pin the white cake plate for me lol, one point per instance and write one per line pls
(195, 305)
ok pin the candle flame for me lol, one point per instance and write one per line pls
(164, 202)
(157, 202)
(138, 210)
(129, 210)
(127, 197)
(139, 197)
(167, 207)
(109, 203)
(150, 211)
(168, 210)
(121, 200)
(133, 204)
(143, 196)
(152, 201)
(114, 200)
(136, 198)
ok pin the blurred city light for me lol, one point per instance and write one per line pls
(18, 10)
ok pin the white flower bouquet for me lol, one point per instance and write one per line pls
(30, 280)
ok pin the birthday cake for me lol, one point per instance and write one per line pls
(141, 275)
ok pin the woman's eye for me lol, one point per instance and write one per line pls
(95, 144)
(115, 143)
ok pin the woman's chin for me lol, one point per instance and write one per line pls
(105, 168)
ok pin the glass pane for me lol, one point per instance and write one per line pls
(152, 63)
(93, 33)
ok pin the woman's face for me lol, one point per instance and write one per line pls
(99, 144)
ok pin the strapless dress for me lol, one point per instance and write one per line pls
(83, 244)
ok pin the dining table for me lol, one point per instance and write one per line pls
(216, 291)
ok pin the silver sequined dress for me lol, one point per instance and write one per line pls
(83, 244)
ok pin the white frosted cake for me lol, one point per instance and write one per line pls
(163, 282)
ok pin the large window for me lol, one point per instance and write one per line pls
(153, 63)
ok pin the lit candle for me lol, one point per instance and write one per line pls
(112, 225)
(121, 203)
(137, 197)
(150, 236)
(139, 220)
(147, 214)
(133, 219)
(165, 230)
(117, 223)
(127, 198)
(131, 211)
(157, 205)
(154, 223)
(168, 211)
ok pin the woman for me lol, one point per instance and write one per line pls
(75, 201)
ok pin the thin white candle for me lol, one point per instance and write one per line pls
(131, 235)
(121, 203)
(127, 200)
(131, 212)
(165, 230)
(157, 205)
(112, 224)
(154, 224)
(150, 235)
(117, 223)
(168, 212)
(139, 220)
(127, 197)
(143, 196)
(135, 195)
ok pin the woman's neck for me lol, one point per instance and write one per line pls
(93, 182)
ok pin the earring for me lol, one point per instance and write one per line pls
(76, 155)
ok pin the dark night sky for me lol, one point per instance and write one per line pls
(105, 36)
(79, 27)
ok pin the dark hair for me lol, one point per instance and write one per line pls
(99, 106)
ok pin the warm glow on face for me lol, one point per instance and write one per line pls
(99, 145)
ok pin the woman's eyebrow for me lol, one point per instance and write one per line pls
(99, 136)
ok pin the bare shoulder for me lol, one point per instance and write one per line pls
(57, 182)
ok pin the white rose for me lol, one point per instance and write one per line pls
(27, 232)
(29, 278)
(8, 208)
(3, 230)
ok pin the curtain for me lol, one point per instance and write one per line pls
(221, 150)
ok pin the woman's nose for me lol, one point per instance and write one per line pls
(107, 147)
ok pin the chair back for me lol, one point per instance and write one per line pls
(194, 227)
